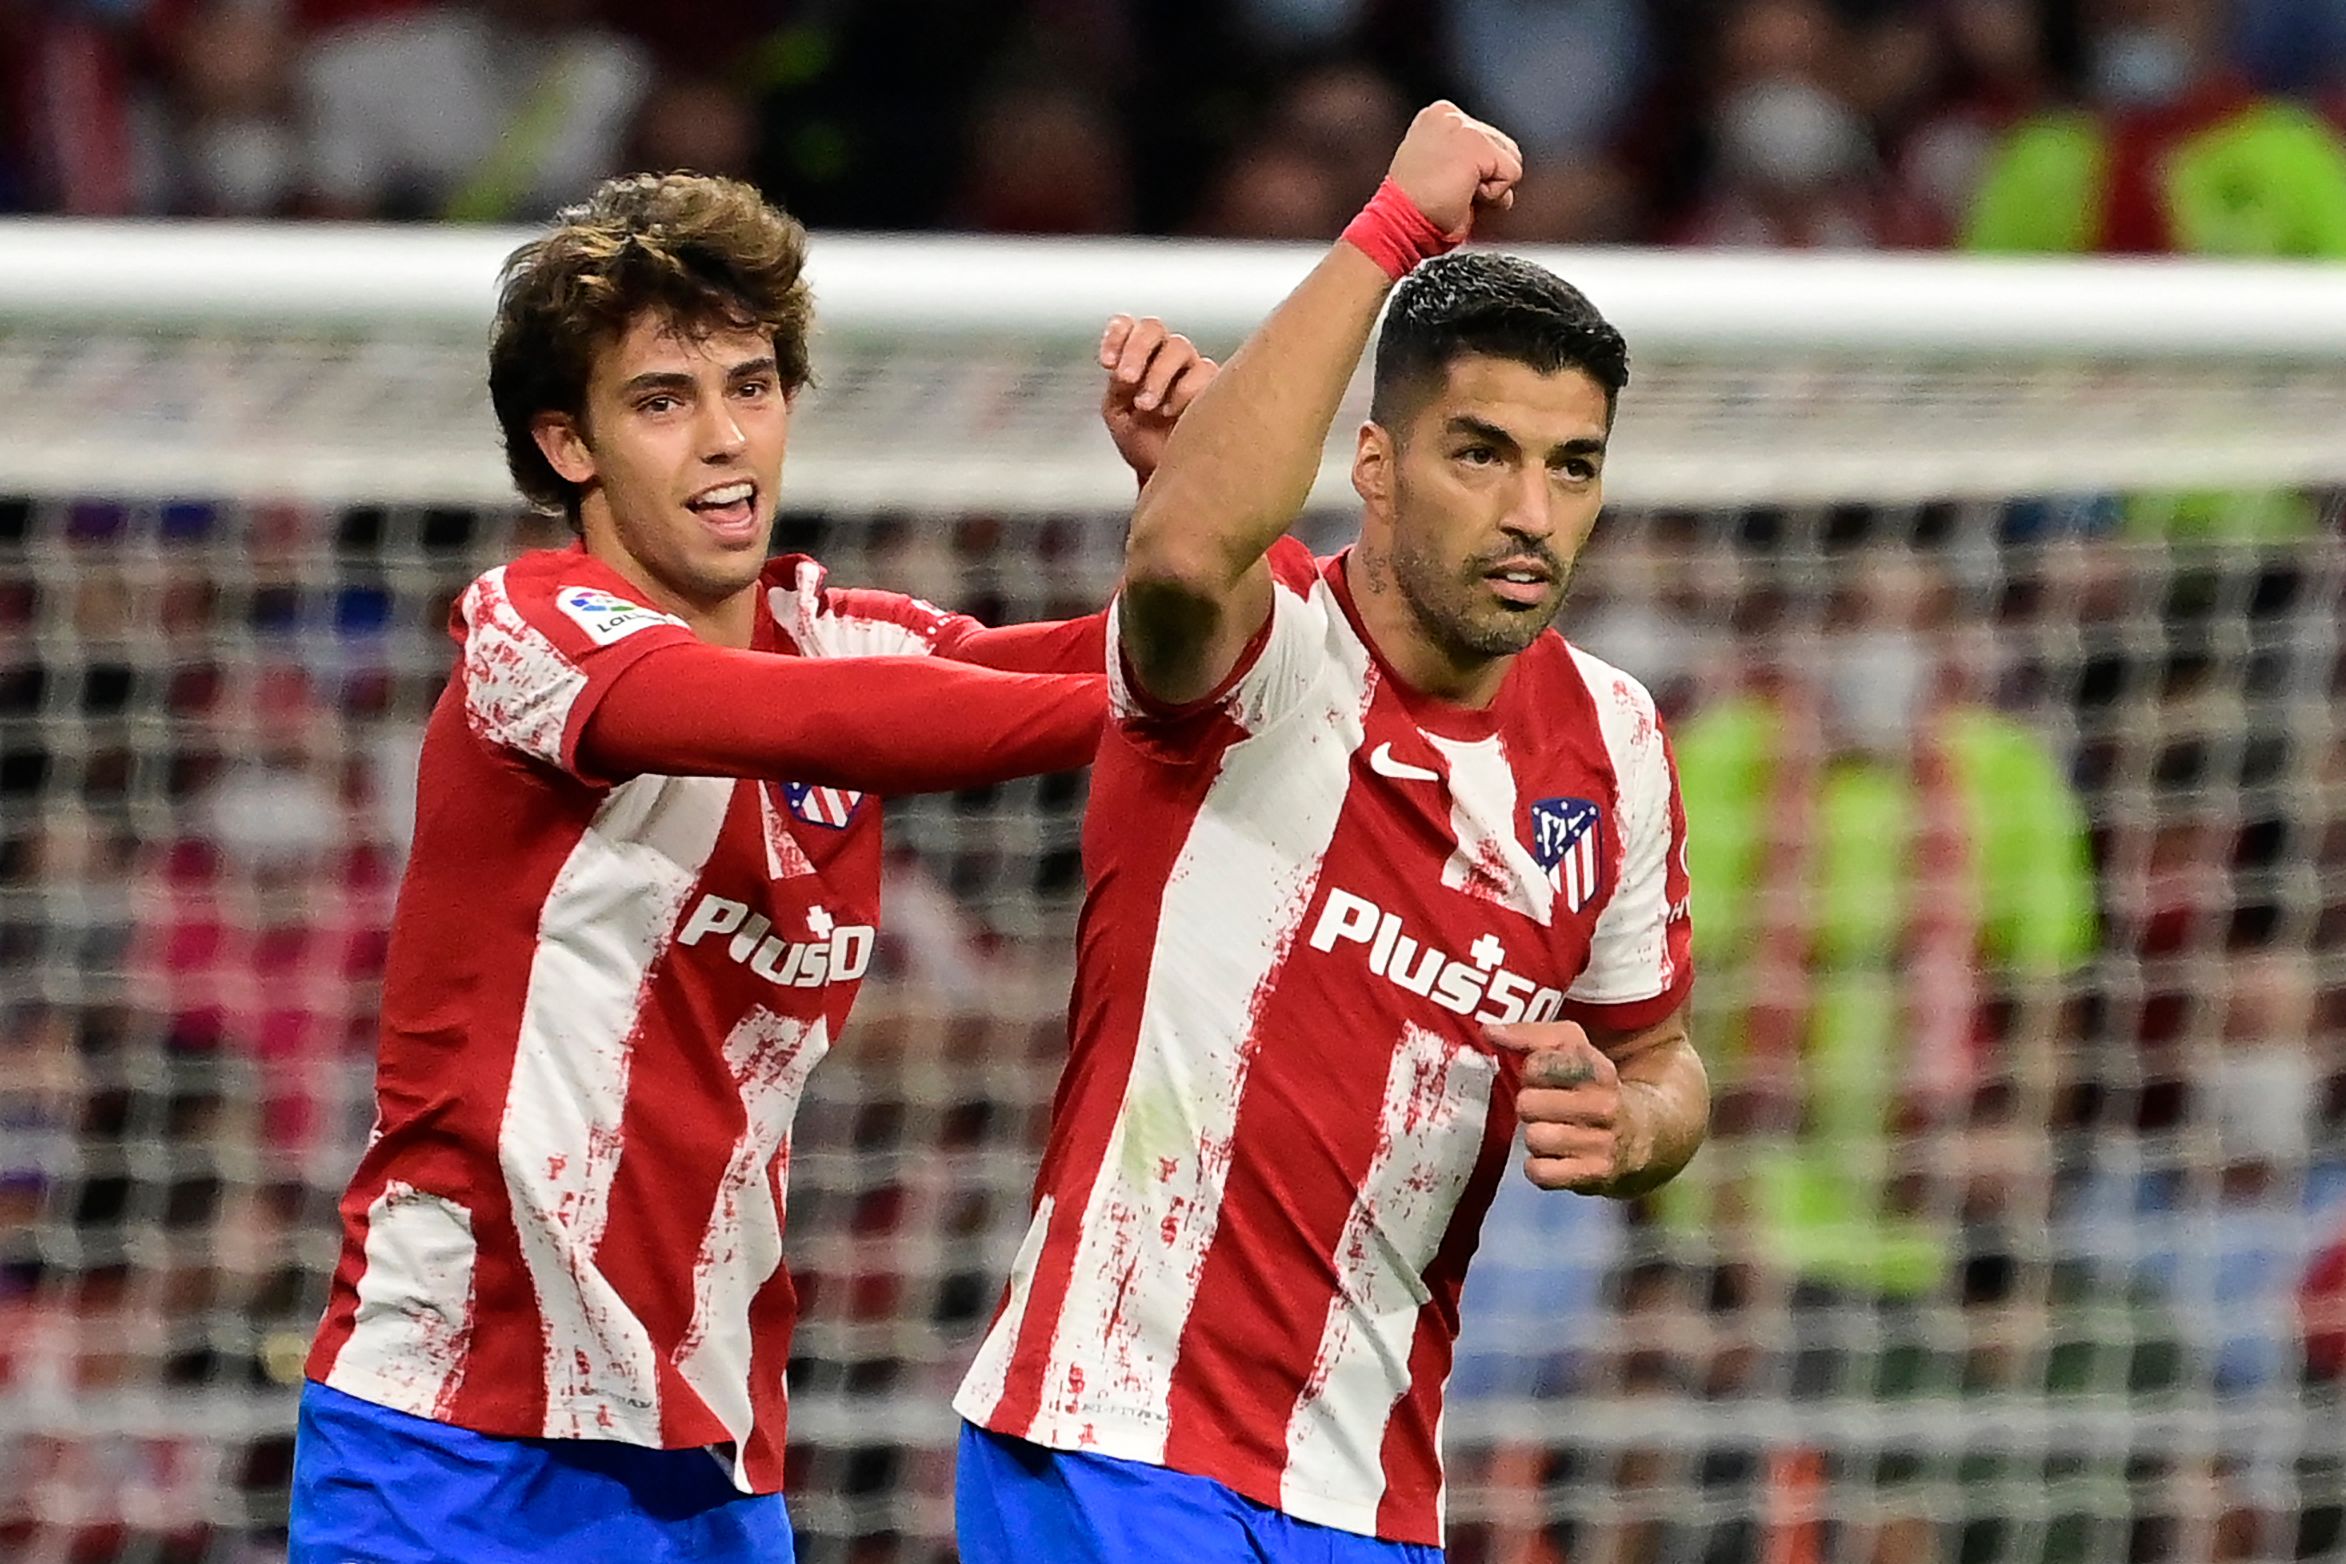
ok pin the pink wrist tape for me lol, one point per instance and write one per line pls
(1392, 232)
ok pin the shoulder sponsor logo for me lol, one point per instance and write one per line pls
(833, 952)
(1480, 987)
(1564, 839)
(1381, 761)
(606, 618)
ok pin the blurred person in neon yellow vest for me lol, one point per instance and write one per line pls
(2175, 153)
(1884, 864)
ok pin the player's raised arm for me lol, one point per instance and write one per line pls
(1239, 465)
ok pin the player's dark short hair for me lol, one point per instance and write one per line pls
(1477, 303)
(708, 254)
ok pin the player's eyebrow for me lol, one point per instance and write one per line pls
(1467, 423)
(678, 380)
(656, 380)
(1591, 447)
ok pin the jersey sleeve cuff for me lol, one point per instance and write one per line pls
(1148, 709)
(1634, 1015)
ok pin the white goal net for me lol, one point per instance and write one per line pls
(1995, 607)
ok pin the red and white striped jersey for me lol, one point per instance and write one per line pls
(600, 1007)
(1280, 1125)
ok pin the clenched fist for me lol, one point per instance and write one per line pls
(1581, 1130)
(1453, 166)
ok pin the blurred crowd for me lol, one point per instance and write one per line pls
(2205, 126)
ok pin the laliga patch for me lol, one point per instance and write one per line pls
(606, 618)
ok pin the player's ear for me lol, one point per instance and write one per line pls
(1372, 466)
(564, 445)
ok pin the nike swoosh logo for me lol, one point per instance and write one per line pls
(1381, 761)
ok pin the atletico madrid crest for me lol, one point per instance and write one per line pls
(824, 806)
(1564, 839)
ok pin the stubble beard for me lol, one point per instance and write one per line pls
(1442, 601)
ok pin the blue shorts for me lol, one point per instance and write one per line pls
(374, 1486)
(1019, 1503)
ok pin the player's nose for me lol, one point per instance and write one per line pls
(721, 435)
(1530, 504)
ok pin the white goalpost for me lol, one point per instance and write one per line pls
(344, 365)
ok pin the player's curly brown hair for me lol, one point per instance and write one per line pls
(707, 254)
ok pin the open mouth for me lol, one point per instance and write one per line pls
(1522, 582)
(729, 509)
